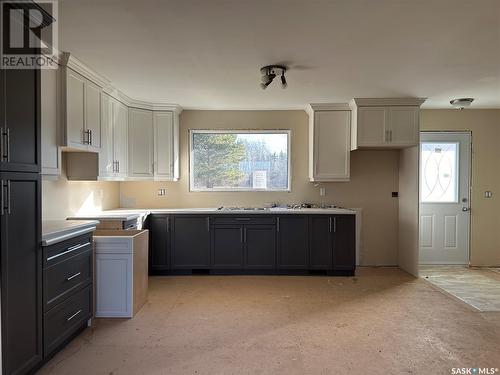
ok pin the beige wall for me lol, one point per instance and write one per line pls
(63, 198)
(485, 127)
(374, 175)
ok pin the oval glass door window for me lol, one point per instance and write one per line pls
(439, 172)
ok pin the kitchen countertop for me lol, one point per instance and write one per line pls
(128, 212)
(117, 215)
(54, 231)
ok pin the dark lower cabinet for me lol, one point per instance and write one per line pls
(21, 272)
(320, 242)
(159, 246)
(260, 246)
(227, 246)
(191, 242)
(290, 242)
(293, 241)
(344, 243)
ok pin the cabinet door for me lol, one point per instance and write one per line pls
(21, 273)
(227, 246)
(191, 242)
(372, 126)
(344, 242)
(404, 126)
(20, 125)
(159, 235)
(50, 140)
(120, 144)
(93, 114)
(140, 135)
(332, 145)
(163, 148)
(320, 246)
(260, 246)
(293, 241)
(74, 121)
(106, 160)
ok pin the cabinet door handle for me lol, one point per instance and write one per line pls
(242, 219)
(330, 225)
(2, 210)
(73, 276)
(7, 152)
(241, 235)
(118, 166)
(5, 144)
(74, 315)
(8, 197)
(208, 224)
(334, 225)
(90, 136)
(168, 224)
(390, 135)
(277, 224)
(69, 250)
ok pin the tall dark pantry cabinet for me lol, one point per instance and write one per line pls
(20, 221)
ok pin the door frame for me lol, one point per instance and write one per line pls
(469, 195)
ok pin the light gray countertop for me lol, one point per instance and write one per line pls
(54, 231)
(130, 212)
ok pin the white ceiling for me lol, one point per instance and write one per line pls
(206, 54)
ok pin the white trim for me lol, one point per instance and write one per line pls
(367, 102)
(236, 131)
(328, 107)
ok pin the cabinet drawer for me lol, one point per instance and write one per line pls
(66, 318)
(63, 278)
(66, 249)
(236, 219)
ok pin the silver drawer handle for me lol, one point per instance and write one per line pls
(74, 315)
(70, 249)
(72, 277)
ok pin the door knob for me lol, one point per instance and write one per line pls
(465, 209)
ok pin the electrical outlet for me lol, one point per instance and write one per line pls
(162, 192)
(395, 194)
(488, 194)
(322, 191)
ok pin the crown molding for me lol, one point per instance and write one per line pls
(327, 107)
(367, 102)
(70, 61)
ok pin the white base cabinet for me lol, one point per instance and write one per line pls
(385, 123)
(121, 272)
(329, 142)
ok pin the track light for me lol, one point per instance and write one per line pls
(270, 72)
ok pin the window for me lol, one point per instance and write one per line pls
(439, 172)
(239, 160)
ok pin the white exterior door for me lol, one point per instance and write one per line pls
(444, 197)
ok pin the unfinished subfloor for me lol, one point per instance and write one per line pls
(381, 322)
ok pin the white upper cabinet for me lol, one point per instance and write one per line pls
(141, 144)
(51, 155)
(329, 142)
(166, 156)
(81, 112)
(113, 158)
(385, 123)
(120, 137)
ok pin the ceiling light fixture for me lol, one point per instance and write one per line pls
(270, 72)
(461, 103)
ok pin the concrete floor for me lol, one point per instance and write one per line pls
(381, 322)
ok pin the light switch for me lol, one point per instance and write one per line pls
(488, 194)
(162, 192)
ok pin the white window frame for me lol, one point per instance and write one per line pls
(236, 131)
